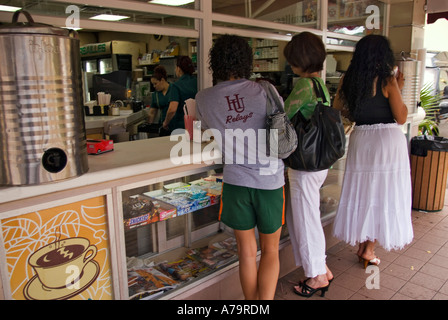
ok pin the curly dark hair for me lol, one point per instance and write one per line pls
(159, 73)
(373, 59)
(230, 56)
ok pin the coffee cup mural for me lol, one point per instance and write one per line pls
(60, 264)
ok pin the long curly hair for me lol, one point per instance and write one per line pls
(230, 56)
(373, 59)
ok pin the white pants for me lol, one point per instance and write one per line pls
(303, 221)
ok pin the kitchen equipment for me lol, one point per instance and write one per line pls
(88, 107)
(116, 107)
(137, 105)
(42, 125)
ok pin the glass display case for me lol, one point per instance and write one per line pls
(172, 233)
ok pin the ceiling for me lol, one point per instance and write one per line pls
(234, 7)
(243, 8)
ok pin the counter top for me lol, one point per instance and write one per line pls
(93, 122)
(128, 159)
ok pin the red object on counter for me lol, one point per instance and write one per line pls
(99, 146)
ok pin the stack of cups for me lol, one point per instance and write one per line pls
(190, 119)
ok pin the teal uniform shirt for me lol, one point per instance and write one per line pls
(183, 89)
(303, 98)
(161, 101)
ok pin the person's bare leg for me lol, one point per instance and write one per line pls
(362, 247)
(319, 281)
(369, 250)
(269, 268)
(247, 254)
(369, 253)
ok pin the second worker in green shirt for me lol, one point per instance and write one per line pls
(183, 89)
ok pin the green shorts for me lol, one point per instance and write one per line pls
(243, 208)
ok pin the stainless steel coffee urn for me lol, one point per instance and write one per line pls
(42, 125)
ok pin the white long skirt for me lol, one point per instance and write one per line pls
(376, 196)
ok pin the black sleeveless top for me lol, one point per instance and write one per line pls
(374, 110)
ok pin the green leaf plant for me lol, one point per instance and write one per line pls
(430, 103)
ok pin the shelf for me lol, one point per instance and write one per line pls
(268, 55)
(181, 267)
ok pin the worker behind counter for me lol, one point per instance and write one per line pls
(160, 97)
(183, 89)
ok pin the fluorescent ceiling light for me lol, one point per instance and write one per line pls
(171, 2)
(9, 8)
(69, 28)
(108, 17)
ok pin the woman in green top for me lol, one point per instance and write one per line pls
(159, 100)
(306, 55)
(183, 89)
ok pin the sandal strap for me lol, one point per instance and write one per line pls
(306, 289)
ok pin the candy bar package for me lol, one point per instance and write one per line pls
(141, 210)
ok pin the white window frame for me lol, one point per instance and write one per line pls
(203, 29)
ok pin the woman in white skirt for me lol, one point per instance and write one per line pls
(375, 205)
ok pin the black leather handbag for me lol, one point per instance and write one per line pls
(321, 139)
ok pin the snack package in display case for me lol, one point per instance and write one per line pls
(215, 178)
(177, 187)
(184, 197)
(184, 269)
(140, 210)
(209, 186)
(145, 282)
(180, 201)
(201, 197)
(216, 254)
(212, 188)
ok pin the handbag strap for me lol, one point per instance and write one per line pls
(272, 98)
(319, 91)
(319, 95)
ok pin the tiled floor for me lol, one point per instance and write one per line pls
(419, 271)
